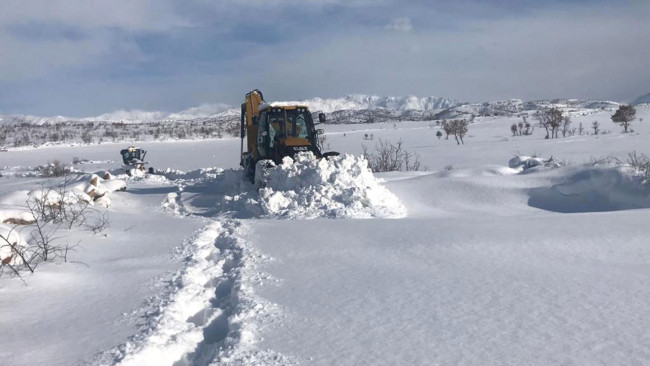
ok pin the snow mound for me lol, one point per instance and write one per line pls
(306, 187)
(594, 190)
(528, 163)
(90, 189)
(10, 238)
(338, 187)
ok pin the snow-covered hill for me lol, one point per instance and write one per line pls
(644, 99)
(358, 102)
(355, 108)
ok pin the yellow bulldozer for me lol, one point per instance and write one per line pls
(274, 131)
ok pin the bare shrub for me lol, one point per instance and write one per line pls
(389, 157)
(54, 169)
(640, 163)
(52, 209)
(605, 160)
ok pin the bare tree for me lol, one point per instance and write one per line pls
(458, 128)
(624, 116)
(551, 120)
(595, 125)
(566, 123)
(581, 129)
(513, 129)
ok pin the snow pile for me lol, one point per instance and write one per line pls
(16, 216)
(88, 189)
(338, 187)
(173, 204)
(527, 163)
(10, 238)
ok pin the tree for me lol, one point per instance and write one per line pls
(542, 121)
(458, 128)
(439, 134)
(566, 123)
(624, 116)
(555, 120)
(595, 126)
(513, 129)
(581, 129)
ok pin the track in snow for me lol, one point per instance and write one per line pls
(212, 315)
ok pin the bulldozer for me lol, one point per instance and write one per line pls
(133, 159)
(273, 132)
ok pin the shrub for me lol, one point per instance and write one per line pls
(389, 157)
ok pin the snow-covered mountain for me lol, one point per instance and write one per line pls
(359, 102)
(644, 99)
(355, 108)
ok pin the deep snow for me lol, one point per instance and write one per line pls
(491, 265)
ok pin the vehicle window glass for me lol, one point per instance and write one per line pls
(298, 123)
(261, 145)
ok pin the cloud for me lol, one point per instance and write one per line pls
(401, 24)
(134, 15)
(86, 58)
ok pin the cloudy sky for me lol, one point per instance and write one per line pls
(86, 57)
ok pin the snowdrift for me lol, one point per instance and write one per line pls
(529, 164)
(594, 190)
(340, 187)
(10, 237)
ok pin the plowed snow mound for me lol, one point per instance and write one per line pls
(342, 186)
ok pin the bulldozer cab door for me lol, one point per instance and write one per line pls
(271, 129)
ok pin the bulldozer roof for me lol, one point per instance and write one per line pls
(282, 106)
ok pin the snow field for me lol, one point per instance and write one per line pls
(490, 266)
(214, 314)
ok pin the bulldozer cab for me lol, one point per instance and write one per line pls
(132, 155)
(284, 131)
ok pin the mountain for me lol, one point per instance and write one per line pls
(642, 99)
(354, 108)
(359, 102)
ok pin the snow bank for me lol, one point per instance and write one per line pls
(525, 163)
(16, 216)
(338, 187)
(595, 189)
(89, 188)
(10, 236)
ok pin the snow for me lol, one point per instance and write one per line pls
(337, 187)
(471, 262)
(361, 102)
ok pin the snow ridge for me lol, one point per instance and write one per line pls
(213, 315)
(372, 102)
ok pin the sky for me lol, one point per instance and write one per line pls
(83, 58)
